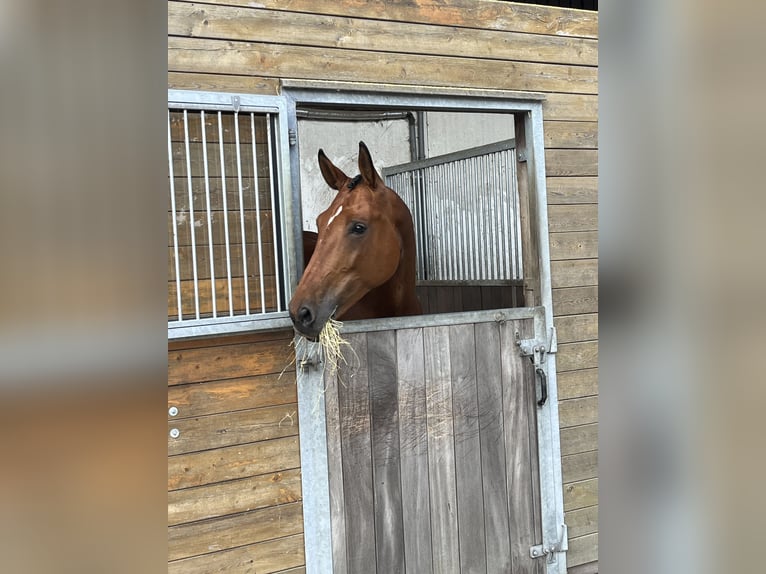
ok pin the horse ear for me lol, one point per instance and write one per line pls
(370, 175)
(334, 177)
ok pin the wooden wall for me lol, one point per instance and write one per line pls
(234, 485)
(231, 46)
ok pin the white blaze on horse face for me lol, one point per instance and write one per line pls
(334, 215)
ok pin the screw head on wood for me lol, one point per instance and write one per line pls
(174, 433)
(173, 411)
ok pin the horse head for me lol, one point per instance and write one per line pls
(363, 265)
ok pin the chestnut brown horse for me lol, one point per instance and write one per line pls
(363, 264)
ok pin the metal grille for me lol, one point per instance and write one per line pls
(465, 208)
(223, 248)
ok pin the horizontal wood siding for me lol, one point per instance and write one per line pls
(234, 490)
(241, 46)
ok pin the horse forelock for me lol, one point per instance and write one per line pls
(354, 182)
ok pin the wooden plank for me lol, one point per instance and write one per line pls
(580, 494)
(573, 384)
(567, 162)
(269, 556)
(581, 521)
(582, 550)
(575, 356)
(575, 300)
(238, 303)
(223, 396)
(232, 462)
(564, 134)
(463, 13)
(387, 494)
(232, 165)
(226, 84)
(223, 533)
(574, 273)
(230, 339)
(239, 23)
(186, 265)
(573, 107)
(228, 429)
(517, 378)
(574, 245)
(581, 411)
(299, 62)
(568, 218)
(492, 433)
(579, 439)
(229, 362)
(568, 190)
(214, 187)
(354, 407)
(332, 381)
(298, 570)
(192, 127)
(441, 452)
(211, 501)
(581, 466)
(575, 328)
(219, 220)
(465, 412)
(413, 438)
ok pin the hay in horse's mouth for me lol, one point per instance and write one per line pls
(332, 343)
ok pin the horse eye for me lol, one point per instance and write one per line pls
(358, 228)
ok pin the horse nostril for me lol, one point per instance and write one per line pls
(305, 316)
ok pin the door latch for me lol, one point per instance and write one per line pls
(535, 350)
(542, 550)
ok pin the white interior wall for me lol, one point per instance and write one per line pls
(447, 132)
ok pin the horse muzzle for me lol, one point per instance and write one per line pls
(309, 320)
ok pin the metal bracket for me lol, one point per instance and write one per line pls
(292, 137)
(561, 546)
(521, 155)
(235, 103)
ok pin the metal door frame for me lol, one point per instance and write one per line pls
(314, 469)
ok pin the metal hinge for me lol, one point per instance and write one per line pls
(235, 103)
(521, 155)
(292, 136)
(561, 546)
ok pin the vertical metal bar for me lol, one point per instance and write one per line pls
(489, 166)
(175, 223)
(209, 216)
(508, 213)
(517, 235)
(476, 225)
(453, 221)
(225, 214)
(258, 216)
(505, 237)
(191, 215)
(241, 213)
(272, 170)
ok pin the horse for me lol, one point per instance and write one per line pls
(363, 263)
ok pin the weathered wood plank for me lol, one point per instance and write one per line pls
(573, 384)
(333, 378)
(516, 378)
(464, 13)
(228, 463)
(186, 263)
(574, 245)
(567, 162)
(564, 134)
(215, 186)
(573, 412)
(269, 556)
(205, 296)
(230, 339)
(575, 300)
(575, 328)
(240, 58)
(492, 438)
(219, 83)
(233, 497)
(441, 452)
(568, 218)
(413, 438)
(387, 494)
(228, 429)
(572, 107)
(581, 521)
(231, 361)
(354, 408)
(576, 356)
(219, 220)
(223, 533)
(192, 126)
(201, 20)
(581, 466)
(569, 190)
(579, 439)
(223, 396)
(582, 549)
(465, 409)
(574, 273)
(580, 494)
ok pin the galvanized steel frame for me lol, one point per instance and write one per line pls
(316, 500)
(227, 102)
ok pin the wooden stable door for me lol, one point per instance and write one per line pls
(432, 452)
